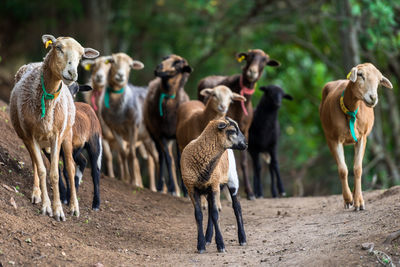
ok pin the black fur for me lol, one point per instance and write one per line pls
(264, 135)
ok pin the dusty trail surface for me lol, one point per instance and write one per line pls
(138, 227)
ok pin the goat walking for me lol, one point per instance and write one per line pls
(347, 117)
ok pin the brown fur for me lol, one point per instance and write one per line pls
(360, 92)
(193, 116)
(86, 125)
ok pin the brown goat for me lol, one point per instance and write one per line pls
(205, 167)
(346, 103)
(166, 94)
(42, 113)
(244, 84)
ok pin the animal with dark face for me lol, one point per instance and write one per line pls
(166, 94)
(264, 135)
(244, 84)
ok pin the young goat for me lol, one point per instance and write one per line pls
(244, 84)
(166, 94)
(122, 112)
(42, 113)
(347, 117)
(205, 167)
(263, 137)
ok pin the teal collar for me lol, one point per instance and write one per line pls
(47, 96)
(107, 95)
(352, 115)
(162, 96)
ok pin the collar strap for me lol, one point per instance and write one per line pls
(107, 95)
(162, 96)
(352, 115)
(94, 97)
(245, 91)
(47, 96)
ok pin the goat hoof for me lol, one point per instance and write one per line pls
(208, 243)
(356, 208)
(36, 197)
(251, 197)
(95, 209)
(221, 250)
(46, 209)
(201, 251)
(362, 207)
(243, 243)
(348, 205)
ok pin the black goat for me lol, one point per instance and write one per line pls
(263, 137)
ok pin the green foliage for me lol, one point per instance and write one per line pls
(305, 36)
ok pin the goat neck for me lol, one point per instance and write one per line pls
(52, 79)
(210, 113)
(350, 100)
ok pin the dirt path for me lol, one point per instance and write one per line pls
(138, 227)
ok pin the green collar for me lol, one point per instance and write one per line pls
(107, 95)
(162, 96)
(352, 115)
(47, 96)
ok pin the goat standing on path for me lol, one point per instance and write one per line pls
(347, 117)
(263, 137)
(42, 112)
(122, 114)
(166, 94)
(244, 84)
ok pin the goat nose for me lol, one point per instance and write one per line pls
(372, 97)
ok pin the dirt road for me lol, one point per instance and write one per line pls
(138, 227)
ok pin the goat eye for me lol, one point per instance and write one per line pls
(59, 49)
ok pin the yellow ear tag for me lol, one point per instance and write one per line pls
(348, 75)
(240, 59)
(107, 61)
(47, 43)
(88, 67)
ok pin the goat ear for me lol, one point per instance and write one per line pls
(48, 39)
(385, 82)
(237, 97)
(187, 69)
(109, 59)
(206, 92)
(90, 53)
(352, 76)
(137, 65)
(73, 88)
(222, 125)
(273, 63)
(87, 64)
(241, 56)
(288, 97)
(264, 88)
(85, 88)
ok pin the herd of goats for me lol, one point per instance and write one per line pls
(126, 119)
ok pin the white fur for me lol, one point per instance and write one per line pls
(79, 174)
(233, 180)
(100, 154)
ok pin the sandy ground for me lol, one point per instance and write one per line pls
(138, 227)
